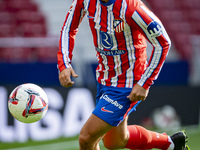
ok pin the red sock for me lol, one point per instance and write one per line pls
(141, 138)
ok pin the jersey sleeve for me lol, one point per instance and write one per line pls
(153, 30)
(68, 33)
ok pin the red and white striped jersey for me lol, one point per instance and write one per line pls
(120, 29)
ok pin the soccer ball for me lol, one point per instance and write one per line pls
(28, 103)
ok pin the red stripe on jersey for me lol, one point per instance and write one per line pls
(92, 11)
(111, 70)
(140, 54)
(104, 18)
(116, 8)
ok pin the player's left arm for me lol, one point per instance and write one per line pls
(154, 31)
(152, 28)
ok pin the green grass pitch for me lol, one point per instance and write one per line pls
(72, 143)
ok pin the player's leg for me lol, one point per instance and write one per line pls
(135, 137)
(141, 138)
(117, 137)
(92, 132)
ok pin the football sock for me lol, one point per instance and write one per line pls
(171, 147)
(141, 138)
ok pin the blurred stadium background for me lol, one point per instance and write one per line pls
(29, 35)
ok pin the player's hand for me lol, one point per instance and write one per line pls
(138, 93)
(65, 77)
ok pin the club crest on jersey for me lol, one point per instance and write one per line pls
(106, 40)
(118, 25)
(154, 29)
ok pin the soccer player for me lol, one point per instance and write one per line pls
(120, 29)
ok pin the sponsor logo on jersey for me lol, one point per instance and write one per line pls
(113, 102)
(106, 40)
(118, 25)
(105, 110)
(154, 29)
(111, 52)
(107, 43)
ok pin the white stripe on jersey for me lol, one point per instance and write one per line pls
(118, 70)
(97, 71)
(110, 18)
(105, 62)
(131, 57)
(123, 10)
(86, 5)
(97, 26)
(97, 17)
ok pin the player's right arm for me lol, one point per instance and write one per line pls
(67, 41)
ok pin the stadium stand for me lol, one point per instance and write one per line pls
(181, 19)
(22, 19)
(22, 13)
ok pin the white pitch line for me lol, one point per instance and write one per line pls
(68, 145)
(55, 146)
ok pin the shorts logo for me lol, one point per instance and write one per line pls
(106, 40)
(118, 25)
(105, 110)
(154, 29)
(115, 103)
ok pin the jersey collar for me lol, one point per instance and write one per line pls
(108, 3)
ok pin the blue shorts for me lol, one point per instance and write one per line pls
(112, 104)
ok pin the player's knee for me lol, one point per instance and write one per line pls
(84, 140)
(113, 144)
(108, 145)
